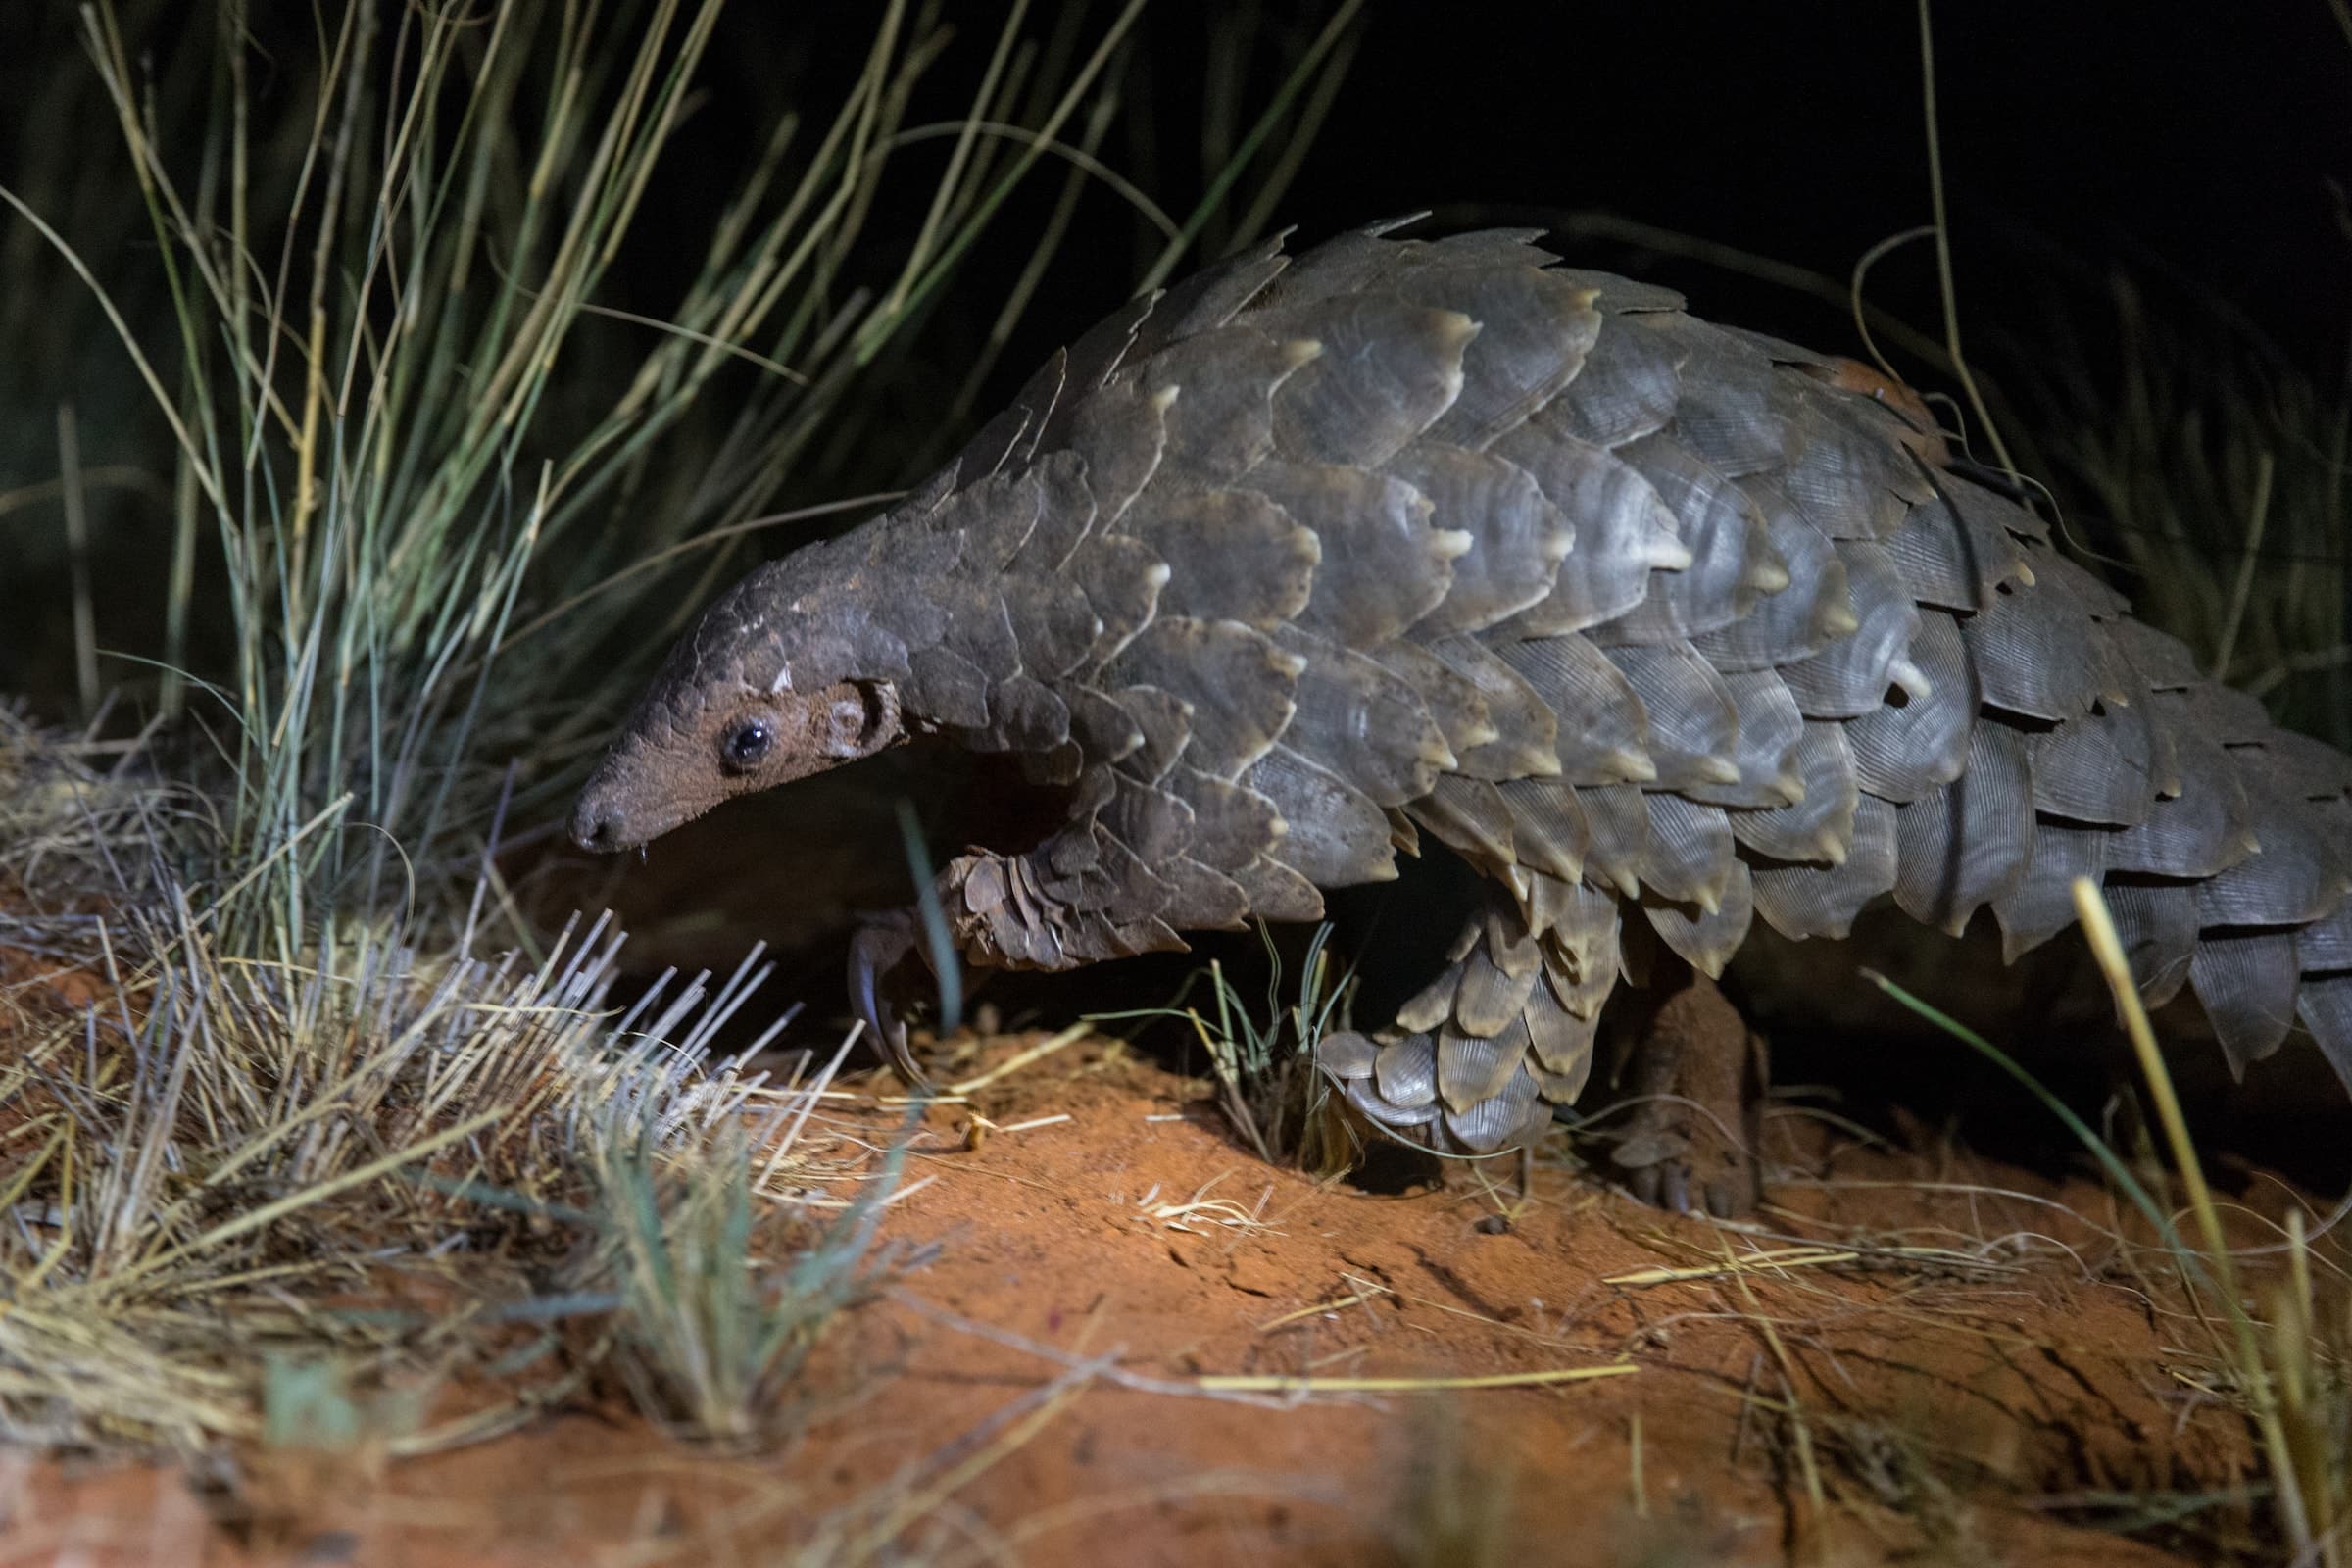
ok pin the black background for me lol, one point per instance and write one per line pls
(2205, 143)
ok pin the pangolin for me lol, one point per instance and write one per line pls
(1663, 627)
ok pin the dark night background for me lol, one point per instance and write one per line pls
(2210, 143)
(2207, 139)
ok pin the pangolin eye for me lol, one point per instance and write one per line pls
(747, 745)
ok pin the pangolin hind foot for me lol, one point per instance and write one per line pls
(1650, 621)
(1690, 1133)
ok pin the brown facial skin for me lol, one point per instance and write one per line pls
(667, 774)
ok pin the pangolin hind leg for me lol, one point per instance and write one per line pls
(1690, 1082)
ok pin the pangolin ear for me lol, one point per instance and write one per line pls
(857, 715)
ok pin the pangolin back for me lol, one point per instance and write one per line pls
(1645, 618)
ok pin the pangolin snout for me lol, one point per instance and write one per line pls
(600, 825)
(614, 814)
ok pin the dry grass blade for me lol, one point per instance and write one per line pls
(1771, 1260)
(2307, 1514)
(1282, 1383)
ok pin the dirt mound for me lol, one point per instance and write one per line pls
(1132, 1343)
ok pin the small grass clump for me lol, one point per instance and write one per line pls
(1265, 1061)
(712, 1334)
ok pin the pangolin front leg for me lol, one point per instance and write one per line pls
(1073, 899)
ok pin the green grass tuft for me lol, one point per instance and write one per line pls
(1264, 1060)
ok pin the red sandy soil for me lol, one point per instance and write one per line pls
(1943, 1404)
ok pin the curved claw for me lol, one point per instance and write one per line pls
(879, 947)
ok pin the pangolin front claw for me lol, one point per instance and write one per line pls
(880, 946)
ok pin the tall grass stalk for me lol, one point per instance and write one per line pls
(2304, 1515)
(381, 276)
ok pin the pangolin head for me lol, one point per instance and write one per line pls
(787, 673)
